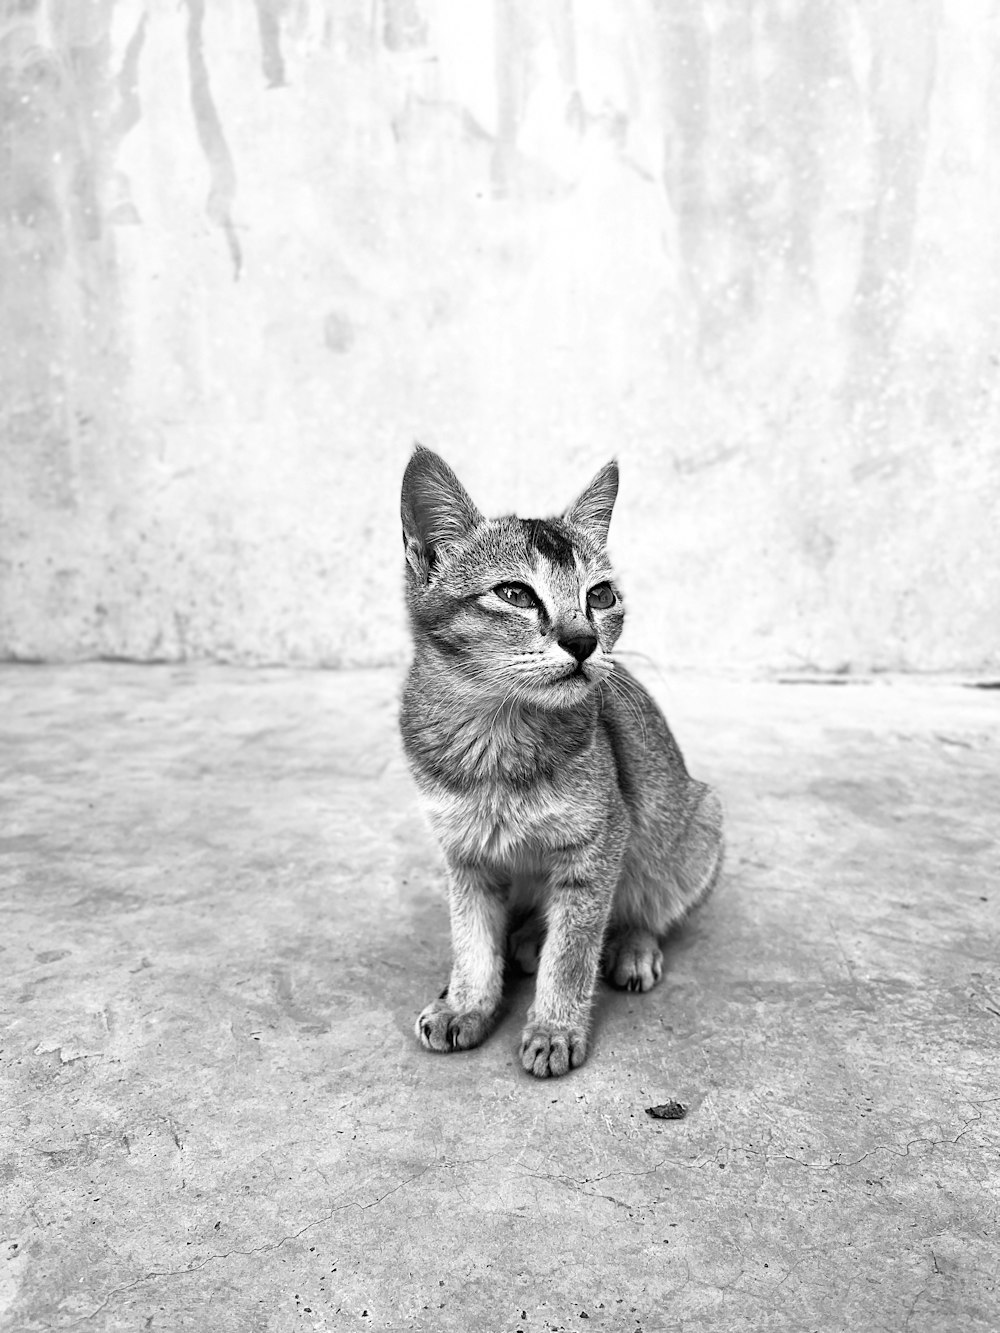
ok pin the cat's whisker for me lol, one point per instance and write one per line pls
(626, 704)
(634, 700)
(630, 684)
(508, 698)
(616, 684)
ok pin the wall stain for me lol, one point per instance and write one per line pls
(222, 190)
(271, 58)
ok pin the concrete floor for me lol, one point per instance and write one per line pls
(222, 912)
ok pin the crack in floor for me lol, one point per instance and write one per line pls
(268, 1248)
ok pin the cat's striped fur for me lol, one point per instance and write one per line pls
(567, 818)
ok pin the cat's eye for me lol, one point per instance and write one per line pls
(516, 594)
(601, 597)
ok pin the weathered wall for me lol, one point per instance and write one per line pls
(251, 251)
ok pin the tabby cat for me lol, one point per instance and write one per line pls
(570, 827)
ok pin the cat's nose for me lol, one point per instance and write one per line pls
(578, 640)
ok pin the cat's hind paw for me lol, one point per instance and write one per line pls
(548, 1051)
(441, 1028)
(525, 944)
(633, 960)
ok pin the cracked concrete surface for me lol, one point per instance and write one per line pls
(222, 911)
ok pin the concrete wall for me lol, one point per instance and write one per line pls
(249, 252)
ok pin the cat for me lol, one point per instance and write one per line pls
(571, 830)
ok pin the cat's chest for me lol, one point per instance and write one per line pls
(500, 825)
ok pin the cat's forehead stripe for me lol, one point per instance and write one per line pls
(546, 537)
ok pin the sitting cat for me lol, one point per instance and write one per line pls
(553, 783)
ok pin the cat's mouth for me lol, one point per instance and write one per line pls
(576, 675)
(572, 683)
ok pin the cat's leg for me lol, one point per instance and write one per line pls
(700, 849)
(525, 943)
(527, 924)
(466, 1010)
(658, 889)
(555, 1038)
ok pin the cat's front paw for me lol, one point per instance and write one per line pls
(442, 1028)
(548, 1051)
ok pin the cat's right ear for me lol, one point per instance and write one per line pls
(435, 508)
(592, 509)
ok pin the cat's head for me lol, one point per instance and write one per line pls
(525, 610)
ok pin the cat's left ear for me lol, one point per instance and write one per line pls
(592, 509)
(435, 508)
